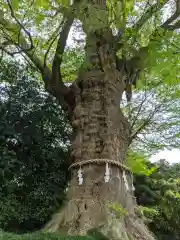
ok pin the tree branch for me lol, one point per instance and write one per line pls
(54, 86)
(139, 111)
(149, 13)
(61, 45)
(144, 124)
(21, 27)
(56, 83)
(52, 40)
(168, 24)
(22, 43)
(172, 27)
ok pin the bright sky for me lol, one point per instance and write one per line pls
(172, 156)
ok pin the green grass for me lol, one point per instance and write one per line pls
(40, 236)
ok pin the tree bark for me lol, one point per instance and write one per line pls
(101, 132)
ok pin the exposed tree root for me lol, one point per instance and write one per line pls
(91, 206)
(77, 218)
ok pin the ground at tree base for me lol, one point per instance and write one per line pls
(40, 236)
(124, 228)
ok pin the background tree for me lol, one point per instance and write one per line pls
(118, 48)
(159, 198)
(34, 141)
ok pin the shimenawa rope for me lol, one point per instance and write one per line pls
(100, 161)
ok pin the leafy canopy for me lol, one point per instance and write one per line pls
(33, 29)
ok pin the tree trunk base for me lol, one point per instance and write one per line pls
(91, 208)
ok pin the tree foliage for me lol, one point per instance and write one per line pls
(142, 29)
(159, 198)
(34, 140)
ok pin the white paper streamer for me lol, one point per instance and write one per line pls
(125, 180)
(107, 174)
(133, 188)
(80, 176)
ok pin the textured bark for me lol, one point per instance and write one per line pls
(101, 132)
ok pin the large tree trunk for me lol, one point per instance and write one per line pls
(101, 132)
